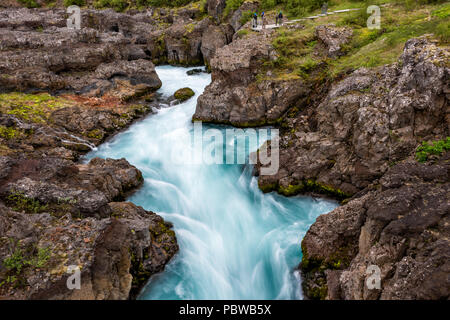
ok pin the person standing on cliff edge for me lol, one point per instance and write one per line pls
(279, 19)
(255, 20)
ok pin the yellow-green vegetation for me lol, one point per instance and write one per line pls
(79, 3)
(96, 134)
(184, 94)
(19, 202)
(338, 260)
(31, 107)
(29, 3)
(297, 48)
(21, 258)
(243, 32)
(308, 185)
(426, 149)
(121, 5)
(10, 133)
(189, 28)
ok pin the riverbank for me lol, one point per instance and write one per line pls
(363, 117)
(357, 109)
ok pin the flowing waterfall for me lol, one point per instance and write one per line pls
(235, 242)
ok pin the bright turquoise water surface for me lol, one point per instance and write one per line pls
(235, 242)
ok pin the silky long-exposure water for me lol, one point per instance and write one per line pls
(235, 242)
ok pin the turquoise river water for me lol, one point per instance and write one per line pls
(235, 242)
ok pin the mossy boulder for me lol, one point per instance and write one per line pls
(184, 94)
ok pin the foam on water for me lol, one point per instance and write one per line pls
(235, 242)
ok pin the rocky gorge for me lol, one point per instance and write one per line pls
(353, 136)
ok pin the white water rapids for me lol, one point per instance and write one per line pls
(235, 242)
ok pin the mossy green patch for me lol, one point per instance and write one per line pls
(31, 107)
(19, 202)
(20, 260)
(184, 94)
(10, 133)
(96, 134)
(426, 149)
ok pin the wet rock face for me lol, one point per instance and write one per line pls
(368, 121)
(116, 255)
(235, 97)
(400, 225)
(69, 131)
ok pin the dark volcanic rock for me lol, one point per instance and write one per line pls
(401, 226)
(213, 38)
(63, 187)
(115, 255)
(235, 97)
(368, 121)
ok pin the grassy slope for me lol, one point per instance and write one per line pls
(368, 48)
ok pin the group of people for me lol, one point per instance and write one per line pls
(278, 19)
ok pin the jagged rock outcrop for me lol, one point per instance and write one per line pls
(48, 56)
(180, 44)
(115, 255)
(37, 51)
(73, 125)
(56, 213)
(400, 225)
(236, 97)
(46, 182)
(331, 38)
(215, 8)
(236, 17)
(215, 37)
(63, 59)
(368, 121)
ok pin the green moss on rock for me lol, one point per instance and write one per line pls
(184, 94)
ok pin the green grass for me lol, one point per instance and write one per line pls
(19, 260)
(21, 203)
(184, 94)
(10, 133)
(79, 3)
(29, 3)
(426, 149)
(367, 48)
